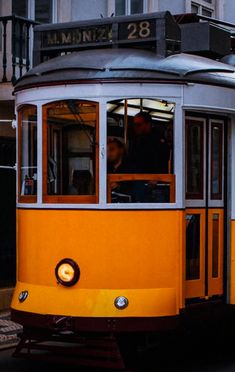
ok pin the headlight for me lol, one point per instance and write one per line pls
(67, 272)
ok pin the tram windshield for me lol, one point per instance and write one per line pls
(70, 134)
(140, 152)
(140, 162)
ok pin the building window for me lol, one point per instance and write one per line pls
(204, 7)
(140, 151)
(71, 152)
(43, 11)
(127, 7)
(137, 7)
(20, 8)
(40, 10)
(120, 7)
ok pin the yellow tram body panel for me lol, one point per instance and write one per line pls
(232, 262)
(137, 254)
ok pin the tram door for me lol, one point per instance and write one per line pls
(205, 190)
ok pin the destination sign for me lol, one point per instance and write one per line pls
(100, 34)
(137, 30)
(156, 31)
(76, 36)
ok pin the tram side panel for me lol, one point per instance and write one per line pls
(232, 262)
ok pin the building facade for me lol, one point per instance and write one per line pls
(18, 18)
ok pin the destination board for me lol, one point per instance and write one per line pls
(76, 36)
(156, 31)
(127, 31)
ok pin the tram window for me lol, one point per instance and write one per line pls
(193, 247)
(71, 159)
(28, 153)
(215, 246)
(140, 150)
(216, 160)
(194, 158)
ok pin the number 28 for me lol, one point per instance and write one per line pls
(139, 30)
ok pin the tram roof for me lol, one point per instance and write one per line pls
(127, 65)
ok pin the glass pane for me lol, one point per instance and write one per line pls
(193, 246)
(72, 148)
(120, 7)
(216, 160)
(28, 150)
(20, 46)
(20, 8)
(140, 151)
(137, 6)
(195, 9)
(207, 12)
(43, 11)
(194, 165)
(215, 246)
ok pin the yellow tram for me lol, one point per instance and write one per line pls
(125, 203)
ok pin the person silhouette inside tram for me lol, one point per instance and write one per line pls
(116, 156)
(117, 163)
(148, 154)
(148, 149)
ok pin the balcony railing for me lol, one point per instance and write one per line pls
(16, 40)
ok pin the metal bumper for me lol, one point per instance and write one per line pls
(57, 323)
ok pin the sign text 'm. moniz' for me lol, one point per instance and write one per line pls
(76, 36)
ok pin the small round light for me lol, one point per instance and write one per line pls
(121, 302)
(67, 272)
(23, 295)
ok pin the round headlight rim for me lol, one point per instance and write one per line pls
(75, 267)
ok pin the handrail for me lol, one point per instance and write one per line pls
(16, 56)
(16, 17)
(163, 178)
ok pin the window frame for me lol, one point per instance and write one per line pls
(128, 7)
(204, 5)
(31, 10)
(196, 196)
(101, 95)
(68, 199)
(24, 198)
(168, 178)
(219, 195)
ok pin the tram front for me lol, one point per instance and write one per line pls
(101, 188)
